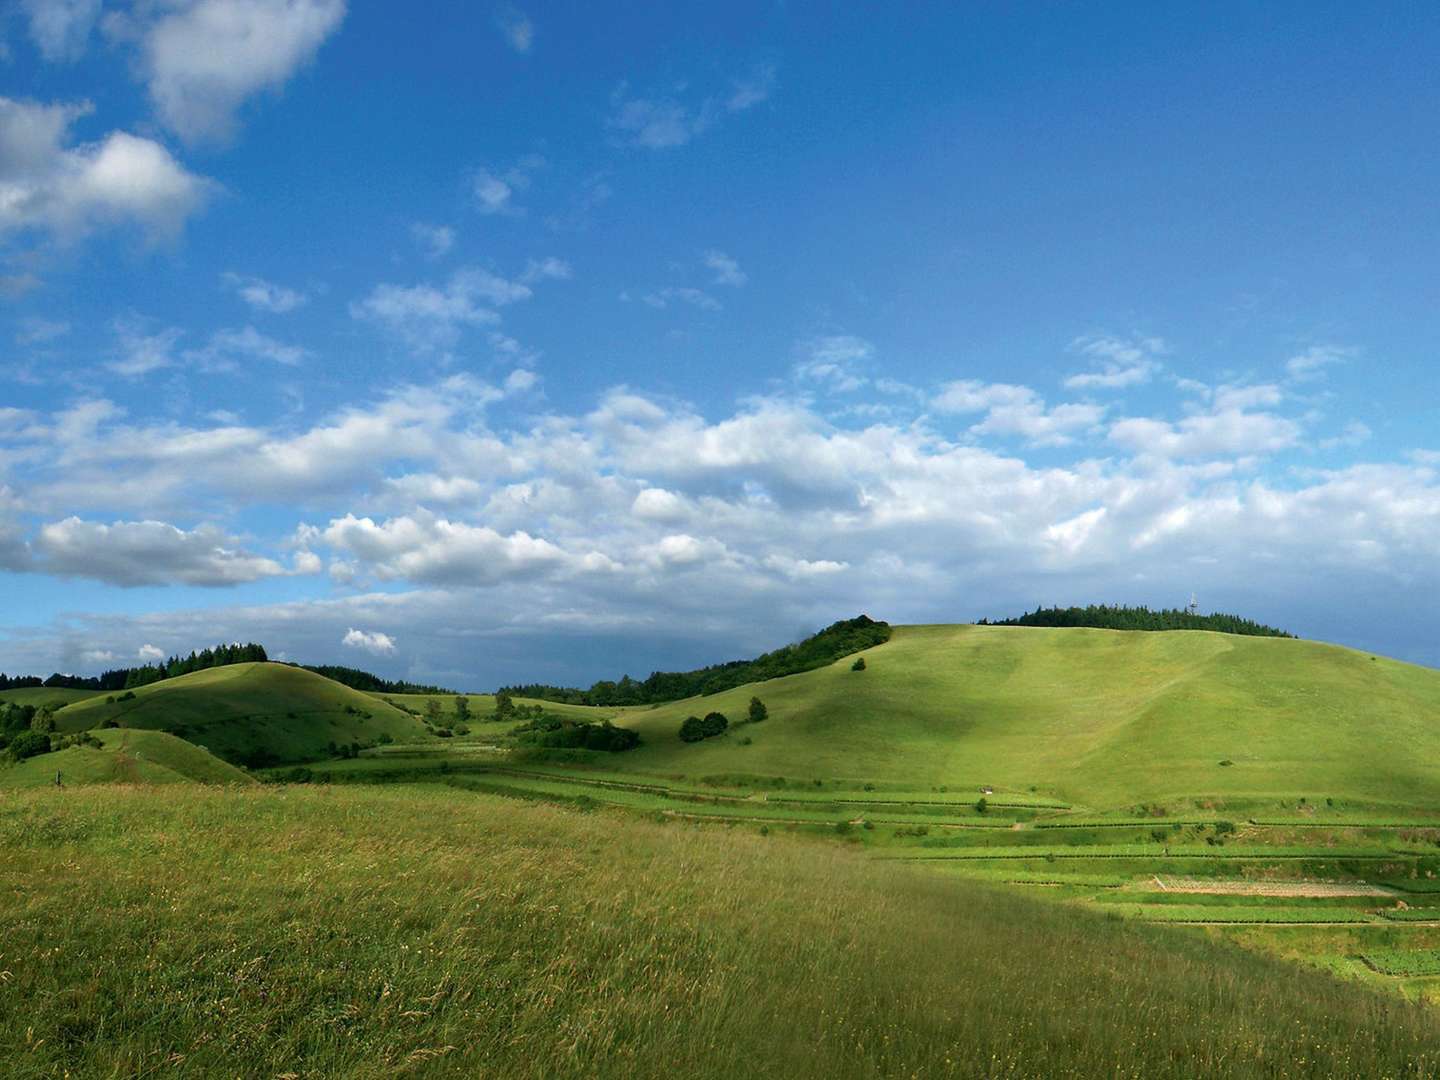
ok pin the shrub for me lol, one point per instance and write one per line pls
(110, 722)
(746, 741)
(28, 744)
(859, 664)
(714, 723)
(692, 730)
(982, 806)
(384, 738)
(758, 711)
(128, 695)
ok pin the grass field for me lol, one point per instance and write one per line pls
(40, 696)
(403, 931)
(239, 710)
(125, 756)
(1095, 717)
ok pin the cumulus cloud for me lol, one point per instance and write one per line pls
(1312, 363)
(1018, 411)
(831, 361)
(1121, 362)
(264, 295)
(433, 317)
(139, 350)
(230, 350)
(727, 270)
(203, 59)
(495, 189)
(60, 29)
(434, 240)
(131, 553)
(1237, 424)
(148, 653)
(371, 641)
(50, 184)
(660, 299)
(516, 28)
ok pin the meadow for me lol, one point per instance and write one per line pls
(422, 931)
(995, 851)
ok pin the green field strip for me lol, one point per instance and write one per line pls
(1402, 962)
(1221, 855)
(1200, 915)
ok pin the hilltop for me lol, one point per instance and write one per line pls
(124, 756)
(251, 714)
(1099, 717)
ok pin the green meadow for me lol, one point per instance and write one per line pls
(994, 851)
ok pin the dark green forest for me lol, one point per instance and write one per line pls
(130, 678)
(837, 640)
(1108, 617)
(371, 684)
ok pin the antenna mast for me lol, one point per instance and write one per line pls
(1194, 607)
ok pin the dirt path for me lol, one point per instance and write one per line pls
(1313, 889)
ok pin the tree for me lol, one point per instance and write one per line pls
(692, 730)
(714, 724)
(504, 705)
(432, 711)
(462, 709)
(758, 711)
(859, 664)
(28, 744)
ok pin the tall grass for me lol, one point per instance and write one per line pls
(369, 932)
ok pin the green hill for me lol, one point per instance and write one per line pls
(1099, 717)
(40, 696)
(126, 756)
(251, 713)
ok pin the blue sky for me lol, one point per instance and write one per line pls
(550, 342)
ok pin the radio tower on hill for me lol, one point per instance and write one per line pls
(1194, 607)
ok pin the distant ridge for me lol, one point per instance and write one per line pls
(1107, 617)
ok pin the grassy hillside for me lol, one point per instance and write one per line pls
(243, 710)
(482, 706)
(246, 932)
(40, 696)
(131, 757)
(1097, 717)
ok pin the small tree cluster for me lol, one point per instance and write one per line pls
(696, 729)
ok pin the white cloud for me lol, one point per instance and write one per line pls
(727, 270)
(41, 331)
(434, 240)
(495, 190)
(49, 185)
(1230, 427)
(516, 28)
(1311, 363)
(1018, 411)
(429, 317)
(663, 298)
(148, 653)
(1355, 433)
(831, 360)
(131, 553)
(1121, 362)
(140, 352)
(228, 350)
(61, 28)
(203, 59)
(371, 641)
(751, 91)
(264, 295)
(656, 123)
(432, 550)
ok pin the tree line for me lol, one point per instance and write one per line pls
(371, 684)
(1108, 617)
(130, 678)
(835, 641)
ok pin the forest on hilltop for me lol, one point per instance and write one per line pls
(1108, 617)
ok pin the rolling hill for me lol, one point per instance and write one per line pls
(40, 696)
(128, 757)
(1099, 717)
(250, 713)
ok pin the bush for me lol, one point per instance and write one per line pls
(384, 738)
(982, 806)
(714, 724)
(758, 711)
(859, 664)
(28, 744)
